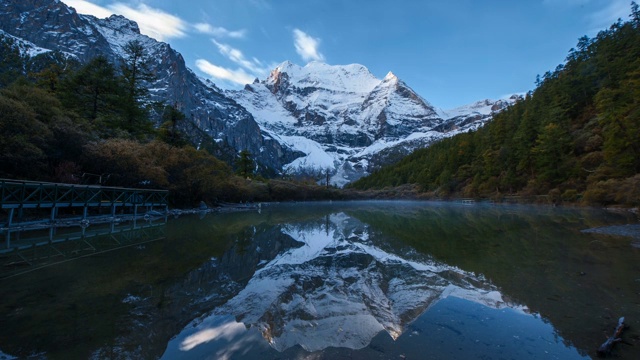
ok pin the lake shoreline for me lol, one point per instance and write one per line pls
(203, 209)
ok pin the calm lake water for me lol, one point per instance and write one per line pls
(354, 280)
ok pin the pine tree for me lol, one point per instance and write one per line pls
(12, 62)
(245, 164)
(551, 154)
(635, 14)
(93, 90)
(136, 71)
(169, 131)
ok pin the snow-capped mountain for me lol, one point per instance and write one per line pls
(303, 121)
(346, 122)
(50, 25)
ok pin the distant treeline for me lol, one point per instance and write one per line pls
(91, 123)
(575, 138)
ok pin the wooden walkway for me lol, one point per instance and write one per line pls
(17, 195)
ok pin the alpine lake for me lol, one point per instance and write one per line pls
(340, 280)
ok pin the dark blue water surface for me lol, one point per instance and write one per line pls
(353, 280)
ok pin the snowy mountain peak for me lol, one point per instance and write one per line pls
(285, 67)
(285, 64)
(353, 78)
(121, 24)
(390, 77)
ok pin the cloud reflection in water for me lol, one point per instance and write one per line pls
(226, 331)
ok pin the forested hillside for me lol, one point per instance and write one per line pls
(576, 136)
(68, 122)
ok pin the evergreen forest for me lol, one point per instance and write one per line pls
(575, 138)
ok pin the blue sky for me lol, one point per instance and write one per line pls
(452, 52)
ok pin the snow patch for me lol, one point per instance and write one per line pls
(4, 356)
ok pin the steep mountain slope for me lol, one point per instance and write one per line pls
(51, 25)
(346, 122)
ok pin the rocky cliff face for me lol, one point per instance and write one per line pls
(51, 25)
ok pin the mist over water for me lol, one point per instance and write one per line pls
(324, 280)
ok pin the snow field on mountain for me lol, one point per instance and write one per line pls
(354, 78)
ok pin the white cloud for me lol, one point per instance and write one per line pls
(85, 7)
(152, 22)
(161, 26)
(238, 76)
(307, 46)
(220, 32)
(249, 69)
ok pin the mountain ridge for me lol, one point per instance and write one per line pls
(55, 26)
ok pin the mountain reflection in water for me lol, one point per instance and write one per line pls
(339, 286)
(358, 280)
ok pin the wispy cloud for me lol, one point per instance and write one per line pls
(565, 2)
(602, 14)
(248, 70)
(86, 7)
(307, 46)
(152, 22)
(238, 76)
(219, 32)
(614, 10)
(162, 26)
(235, 55)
